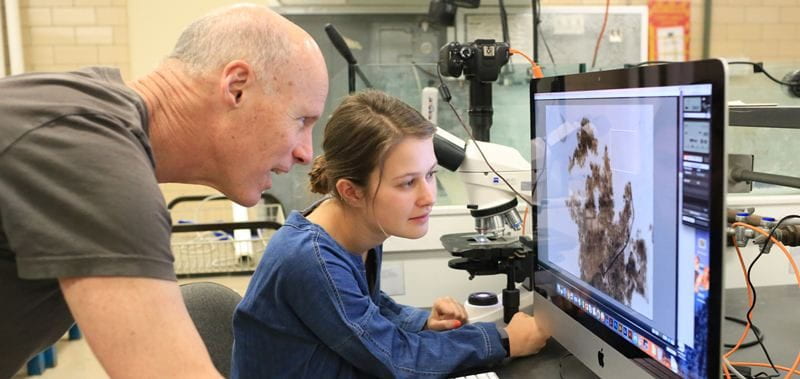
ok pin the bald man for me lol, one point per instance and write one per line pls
(84, 231)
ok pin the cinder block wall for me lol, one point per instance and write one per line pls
(67, 34)
(763, 30)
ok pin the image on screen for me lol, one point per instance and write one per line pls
(623, 215)
(606, 177)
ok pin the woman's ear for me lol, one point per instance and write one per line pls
(351, 193)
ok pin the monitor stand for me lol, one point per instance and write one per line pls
(597, 355)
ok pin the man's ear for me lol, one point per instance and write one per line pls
(351, 193)
(236, 77)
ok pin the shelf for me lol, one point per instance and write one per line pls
(764, 117)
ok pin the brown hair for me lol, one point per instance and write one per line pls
(359, 135)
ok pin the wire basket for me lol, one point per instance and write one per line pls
(223, 246)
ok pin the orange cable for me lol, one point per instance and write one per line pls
(537, 71)
(747, 325)
(794, 367)
(525, 218)
(602, 31)
(749, 301)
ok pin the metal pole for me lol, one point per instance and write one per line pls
(3, 58)
(752, 176)
(14, 34)
(707, 29)
(535, 6)
(351, 78)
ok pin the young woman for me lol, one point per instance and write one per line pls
(314, 307)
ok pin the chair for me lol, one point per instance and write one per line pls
(48, 358)
(211, 308)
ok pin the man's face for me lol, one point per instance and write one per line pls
(407, 190)
(272, 130)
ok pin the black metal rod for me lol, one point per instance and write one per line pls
(363, 77)
(510, 295)
(480, 109)
(268, 199)
(707, 29)
(740, 175)
(351, 78)
(225, 226)
(535, 7)
(765, 117)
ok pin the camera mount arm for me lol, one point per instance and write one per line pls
(480, 62)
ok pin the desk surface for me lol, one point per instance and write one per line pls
(777, 314)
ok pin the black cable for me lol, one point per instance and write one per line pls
(537, 24)
(758, 67)
(756, 332)
(426, 72)
(445, 92)
(763, 251)
(504, 22)
(621, 250)
(504, 25)
(762, 374)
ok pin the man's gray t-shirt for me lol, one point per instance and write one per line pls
(78, 197)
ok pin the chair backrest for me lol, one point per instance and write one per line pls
(211, 308)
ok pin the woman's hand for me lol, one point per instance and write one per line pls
(524, 335)
(446, 314)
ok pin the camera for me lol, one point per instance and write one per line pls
(480, 60)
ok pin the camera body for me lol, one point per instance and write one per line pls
(480, 60)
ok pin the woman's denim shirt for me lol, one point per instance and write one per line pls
(308, 312)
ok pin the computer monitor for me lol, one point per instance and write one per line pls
(629, 167)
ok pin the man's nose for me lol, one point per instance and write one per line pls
(304, 151)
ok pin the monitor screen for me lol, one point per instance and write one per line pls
(629, 183)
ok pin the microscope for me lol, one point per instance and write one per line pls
(496, 246)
